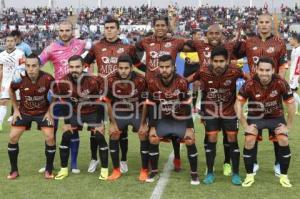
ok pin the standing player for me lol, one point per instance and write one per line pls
(10, 59)
(265, 93)
(81, 92)
(58, 54)
(154, 47)
(106, 53)
(295, 68)
(218, 85)
(34, 107)
(170, 115)
(20, 43)
(126, 95)
(269, 45)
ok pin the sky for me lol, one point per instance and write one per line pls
(161, 3)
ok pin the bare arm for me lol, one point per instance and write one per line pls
(291, 114)
(238, 107)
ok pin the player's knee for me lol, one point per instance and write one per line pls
(115, 136)
(143, 136)
(13, 139)
(50, 139)
(212, 137)
(67, 128)
(189, 140)
(250, 140)
(282, 140)
(154, 139)
(232, 137)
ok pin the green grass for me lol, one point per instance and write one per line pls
(32, 185)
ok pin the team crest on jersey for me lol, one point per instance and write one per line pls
(177, 92)
(227, 82)
(168, 45)
(42, 89)
(210, 82)
(254, 48)
(257, 95)
(207, 54)
(60, 52)
(74, 50)
(152, 44)
(270, 50)
(26, 89)
(274, 93)
(255, 59)
(104, 49)
(120, 50)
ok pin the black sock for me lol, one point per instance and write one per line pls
(103, 149)
(64, 148)
(226, 146)
(284, 157)
(144, 150)
(93, 147)
(205, 142)
(192, 156)
(276, 148)
(114, 152)
(235, 157)
(154, 156)
(249, 159)
(255, 152)
(13, 152)
(210, 154)
(176, 147)
(124, 144)
(50, 154)
(195, 96)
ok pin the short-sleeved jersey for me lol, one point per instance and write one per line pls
(126, 95)
(80, 92)
(204, 51)
(171, 100)
(155, 48)
(218, 92)
(58, 54)
(266, 102)
(107, 54)
(10, 61)
(34, 95)
(25, 48)
(253, 48)
(295, 68)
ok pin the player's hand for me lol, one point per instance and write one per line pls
(281, 129)
(152, 132)
(49, 118)
(143, 129)
(113, 128)
(16, 116)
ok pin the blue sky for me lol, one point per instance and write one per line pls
(161, 3)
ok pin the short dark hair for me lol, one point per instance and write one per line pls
(266, 60)
(195, 31)
(10, 35)
(125, 58)
(219, 50)
(34, 56)
(75, 58)
(164, 58)
(16, 33)
(112, 20)
(161, 17)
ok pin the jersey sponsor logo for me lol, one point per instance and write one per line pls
(255, 59)
(152, 44)
(109, 60)
(227, 82)
(210, 82)
(168, 45)
(257, 95)
(270, 50)
(254, 48)
(104, 49)
(274, 93)
(26, 89)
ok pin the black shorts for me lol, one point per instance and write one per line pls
(92, 120)
(124, 119)
(218, 124)
(271, 124)
(28, 119)
(167, 127)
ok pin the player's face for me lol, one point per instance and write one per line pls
(124, 69)
(160, 28)
(166, 69)
(219, 64)
(10, 43)
(111, 31)
(196, 36)
(65, 32)
(75, 68)
(293, 42)
(264, 24)
(214, 36)
(264, 72)
(32, 67)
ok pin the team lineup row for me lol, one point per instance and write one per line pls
(168, 103)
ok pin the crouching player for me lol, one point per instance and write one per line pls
(265, 93)
(125, 98)
(34, 106)
(81, 92)
(170, 115)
